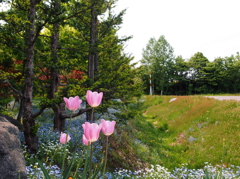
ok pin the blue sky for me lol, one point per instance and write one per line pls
(208, 26)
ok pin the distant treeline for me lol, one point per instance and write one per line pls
(196, 76)
(178, 76)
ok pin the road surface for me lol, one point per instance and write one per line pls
(225, 97)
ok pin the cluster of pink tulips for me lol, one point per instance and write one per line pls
(94, 99)
(91, 130)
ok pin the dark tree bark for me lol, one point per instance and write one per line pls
(54, 72)
(59, 122)
(20, 111)
(93, 62)
(60, 118)
(30, 129)
(93, 51)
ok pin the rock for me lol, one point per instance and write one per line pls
(191, 139)
(12, 163)
(13, 121)
(173, 99)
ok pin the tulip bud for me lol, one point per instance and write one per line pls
(64, 138)
(94, 98)
(91, 131)
(73, 103)
(108, 127)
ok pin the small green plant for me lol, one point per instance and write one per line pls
(35, 128)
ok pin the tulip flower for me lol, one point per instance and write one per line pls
(84, 140)
(64, 138)
(108, 127)
(94, 98)
(91, 131)
(73, 103)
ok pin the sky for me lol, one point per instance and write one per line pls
(190, 26)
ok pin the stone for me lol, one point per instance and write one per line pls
(13, 121)
(191, 139)
(173, 99)
(12, 162)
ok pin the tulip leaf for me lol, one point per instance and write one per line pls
(86, 166)
(45, 172)
(66, 174)
(97, 171)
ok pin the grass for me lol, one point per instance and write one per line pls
(160, 139)
(191, 129)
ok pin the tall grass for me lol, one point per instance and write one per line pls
(190, 129)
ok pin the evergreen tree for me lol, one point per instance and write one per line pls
(196, 65)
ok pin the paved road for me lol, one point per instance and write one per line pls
(225, 97)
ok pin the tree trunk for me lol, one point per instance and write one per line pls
(20, 111)
(29, 126)
(93, 52)
(93, 62)
(59, 121)
(54, 56)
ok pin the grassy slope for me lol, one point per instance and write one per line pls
(191, 129)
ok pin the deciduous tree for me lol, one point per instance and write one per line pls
(158, 58)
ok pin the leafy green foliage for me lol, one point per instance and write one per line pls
(178, 76)
(3, 104)
(158, 59)
(53, 44)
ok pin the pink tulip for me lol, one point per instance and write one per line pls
(73, 103)
(64, 138)
(91, 131)
(108, 127)
(84, 140)
(94, 98)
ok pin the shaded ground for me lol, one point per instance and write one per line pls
(225, 97)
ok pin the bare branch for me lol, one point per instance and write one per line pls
(14, 89)
(44, 36)
(39, 112)
(81, 111)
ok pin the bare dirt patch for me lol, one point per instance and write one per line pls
(180, 139)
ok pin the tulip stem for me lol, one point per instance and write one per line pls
(54, 154)
(92, 117)
(91, 149)
(64, 156)
(65, 147)
(79, 162)
(105, 161)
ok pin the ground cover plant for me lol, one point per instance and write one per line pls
(166, 142)
(152, 171)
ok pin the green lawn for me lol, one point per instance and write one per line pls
(191, 129)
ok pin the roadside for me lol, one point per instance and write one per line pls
(225, 97)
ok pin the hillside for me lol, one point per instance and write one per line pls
(190, 130)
